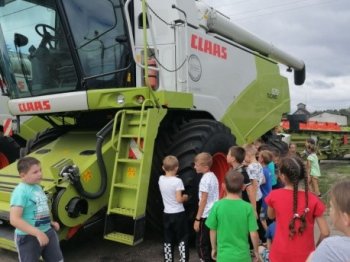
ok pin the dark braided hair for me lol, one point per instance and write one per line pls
(293, 168)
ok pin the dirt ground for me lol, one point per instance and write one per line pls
(91, 246)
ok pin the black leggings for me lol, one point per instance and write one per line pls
(203, 242)
(175, 232)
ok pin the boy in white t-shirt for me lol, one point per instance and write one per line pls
(208, 194)
(174, 219)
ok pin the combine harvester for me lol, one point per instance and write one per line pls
(123, 83)
(332, 139)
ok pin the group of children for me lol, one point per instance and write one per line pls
(229, 229)
(224, 227)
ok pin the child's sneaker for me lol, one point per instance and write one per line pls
(264, 254)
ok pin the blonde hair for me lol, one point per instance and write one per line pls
(266, 156)
(204, 159)
(340, 196)
(250, 149)
(170, 163)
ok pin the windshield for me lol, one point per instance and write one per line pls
(35, 58)
(101, 41)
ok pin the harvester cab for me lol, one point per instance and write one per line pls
(123, 83)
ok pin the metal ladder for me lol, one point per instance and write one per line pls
(134, 143)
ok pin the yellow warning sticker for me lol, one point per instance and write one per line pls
(131, 172)
(87, 175)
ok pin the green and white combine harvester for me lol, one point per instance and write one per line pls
(121, 84)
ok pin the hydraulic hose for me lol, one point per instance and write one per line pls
(101, 165)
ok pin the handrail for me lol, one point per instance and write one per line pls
(141, 119)
(132, 40)
(114, 128)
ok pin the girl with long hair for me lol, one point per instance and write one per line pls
(295, 210)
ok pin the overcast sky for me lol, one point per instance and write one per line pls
(316, 31)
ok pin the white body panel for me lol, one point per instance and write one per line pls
(221, 79)
(50, 103)
(4, 112)
(193, 63)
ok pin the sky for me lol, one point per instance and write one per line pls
(315, 31)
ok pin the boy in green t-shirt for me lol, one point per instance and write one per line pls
(230, 221)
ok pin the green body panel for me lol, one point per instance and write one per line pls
(260, 106)
(107, 98)
(30, 127)
(33, 125)
(78, 147)
(67, 149)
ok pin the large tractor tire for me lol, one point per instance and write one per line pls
(9, 151)
(185, 139)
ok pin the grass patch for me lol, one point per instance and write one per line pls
(331, 172)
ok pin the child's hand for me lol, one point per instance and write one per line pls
(257, 257)
(213, 254)
(42, 238)
(55, 225)
(196, 226)
(185, 197)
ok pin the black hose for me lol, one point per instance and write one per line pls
(101, 165)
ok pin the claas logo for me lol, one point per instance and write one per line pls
(34, 106)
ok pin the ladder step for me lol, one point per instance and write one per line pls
(121, 237)
(129, 160)
(127, 186)
(122, 211)
(124, 229)
(136, 123)
(129, 136)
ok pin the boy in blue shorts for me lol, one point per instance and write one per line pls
(35, 234)
(230, 221)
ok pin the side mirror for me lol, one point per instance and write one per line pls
(20, 40)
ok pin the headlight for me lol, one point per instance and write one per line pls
(120, 99)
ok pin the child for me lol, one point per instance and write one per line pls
(313, 168)
(295, 210)
(255, 172)
(265, 157)
(208, 194)
(35, 234)
(175, 219)
(235, 158)
(270, 234)
(230, 221)
(264, 252)
(336, 248)
(293, 150)
(256, 175)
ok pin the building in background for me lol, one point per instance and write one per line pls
(328, 117)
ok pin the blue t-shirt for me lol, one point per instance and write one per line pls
(267, 186)
(272, 169)
(270, 232)
(36, 210)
